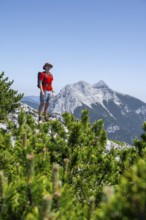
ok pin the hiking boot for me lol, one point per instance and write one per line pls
(40, 118)
(46, 119)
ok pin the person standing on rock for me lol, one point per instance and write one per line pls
(45, 79)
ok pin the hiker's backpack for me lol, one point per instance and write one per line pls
(38, 85)
(43, 83)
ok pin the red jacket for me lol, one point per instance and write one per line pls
(46, 79)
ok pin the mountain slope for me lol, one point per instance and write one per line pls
(123, 115)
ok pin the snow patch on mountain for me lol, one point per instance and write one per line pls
(141, 110)
(113, 128)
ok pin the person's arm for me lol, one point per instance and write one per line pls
(52, 86)
(41, 88)
(53, 89)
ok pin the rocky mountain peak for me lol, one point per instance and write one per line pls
(100, 84)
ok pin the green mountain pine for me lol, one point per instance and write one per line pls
(8, 97)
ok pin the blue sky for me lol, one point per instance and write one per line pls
(88, 40)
